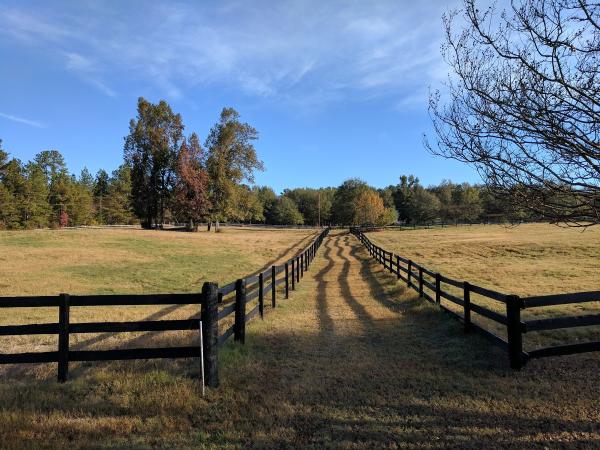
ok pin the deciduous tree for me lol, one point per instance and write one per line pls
(368, 208)
(285, 212)
(524, 103)
(424, 206)
(231, 159)
(191, 187)
(343, 208)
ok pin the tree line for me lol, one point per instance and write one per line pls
(168, 177)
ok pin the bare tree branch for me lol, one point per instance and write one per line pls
(523, 103)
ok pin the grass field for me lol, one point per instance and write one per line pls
(93, 261)
(125, 261)
(527, 260)
(353, 360)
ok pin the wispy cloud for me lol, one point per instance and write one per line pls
(87, 70)
(286, 50)
(31, 123)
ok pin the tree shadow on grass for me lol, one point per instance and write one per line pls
(421, 384)
(371, 395)
(325, 321)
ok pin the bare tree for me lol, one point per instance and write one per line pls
(523, 103)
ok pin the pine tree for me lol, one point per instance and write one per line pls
(35, 207)
(151, 152)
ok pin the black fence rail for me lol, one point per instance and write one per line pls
(433, 287)
(224, 312)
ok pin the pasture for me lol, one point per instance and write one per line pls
(352, 360)
(526, 260)
(83, 261)
(135, 261)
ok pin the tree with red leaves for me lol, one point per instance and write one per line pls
(63, 219)
(191, 201)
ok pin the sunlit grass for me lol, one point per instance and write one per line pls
(527, 260)
(135, 261)
(352, 360)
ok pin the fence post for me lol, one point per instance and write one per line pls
(63, 337)
(438, 295)
(302, 258)
(210, 331)
(239, 331)
(398, 266)
(408, 278)
(297, 269)
(287, 281)
(293, 275)
(420, 281)
(261, 295)
(467, 306)
(513, 330)
(273, 286)
(391, 269)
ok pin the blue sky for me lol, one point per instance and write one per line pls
(337, 89)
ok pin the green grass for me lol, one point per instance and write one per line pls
(527, 260)
(135, 261)
(353, 360)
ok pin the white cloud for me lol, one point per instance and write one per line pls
(87, 70)
(289, 51)
(31, 123)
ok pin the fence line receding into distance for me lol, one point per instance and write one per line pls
(431, 286)
(252, 292)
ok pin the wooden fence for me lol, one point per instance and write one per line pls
(215, 304)
(432, 286)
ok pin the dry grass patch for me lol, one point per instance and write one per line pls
(125, 261)
(47, 262)
(352, 361)
(530, 259)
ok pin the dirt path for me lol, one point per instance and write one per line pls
(355, 361)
